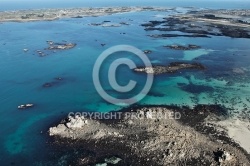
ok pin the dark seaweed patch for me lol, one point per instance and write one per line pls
(196, 89)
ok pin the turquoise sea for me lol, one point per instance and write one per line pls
(24, 134)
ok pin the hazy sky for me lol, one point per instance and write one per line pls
(71, 1)
(34, 4)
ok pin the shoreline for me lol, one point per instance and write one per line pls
(55, 14)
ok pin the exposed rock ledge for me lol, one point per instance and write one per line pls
(150, 139)
(180, 47)
(171, 68)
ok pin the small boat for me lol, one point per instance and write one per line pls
(25, 106)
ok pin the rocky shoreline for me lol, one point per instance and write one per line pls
(146, 139)
(203, 23)
(171, 68)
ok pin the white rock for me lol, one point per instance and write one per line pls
(149, 115)
(77, 122)
(57, 130)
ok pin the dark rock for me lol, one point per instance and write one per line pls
(78, 17)
(234, 32)
(209, 16)
(147, 51)
(124, 23)
(147, 24)
(95, 24)
(40, 15)
(47, 85)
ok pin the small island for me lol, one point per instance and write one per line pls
(171, 68)
(180, 47)
(61, 46)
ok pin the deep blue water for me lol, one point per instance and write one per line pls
(23, 74)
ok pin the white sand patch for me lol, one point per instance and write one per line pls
(159, 15)
(238, 130)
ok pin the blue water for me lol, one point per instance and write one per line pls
(23, 133)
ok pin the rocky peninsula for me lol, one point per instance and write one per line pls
(150, 135)
(171, 68)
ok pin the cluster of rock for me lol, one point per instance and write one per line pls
(41, 53)
(180, 47)
(56, 81)
(61, 46)
(222, 156)
(52, 47)
(171, 68)
(108, 24)
(145, 139)
(202, 24)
